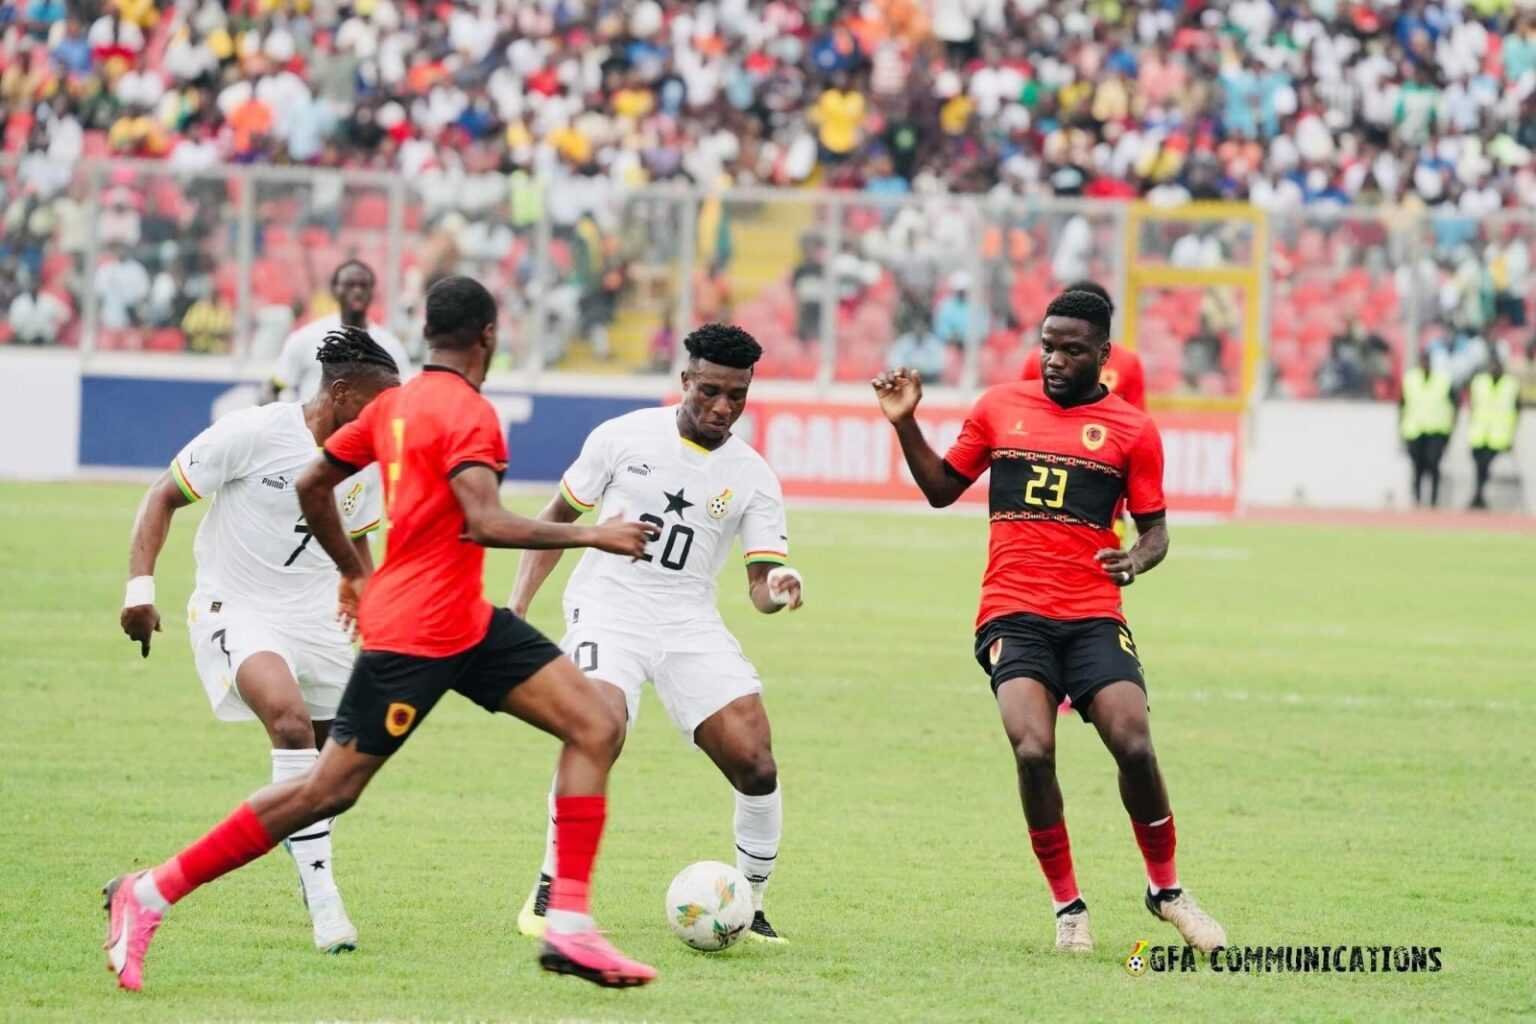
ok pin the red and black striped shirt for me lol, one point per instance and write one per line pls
(1058, 476)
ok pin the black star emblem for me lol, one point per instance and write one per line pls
(676, 502)
(318, 865)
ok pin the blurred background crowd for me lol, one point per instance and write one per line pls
(1392, 142)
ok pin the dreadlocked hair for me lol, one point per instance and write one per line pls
(725, 345)
(348, 351)
(1081, 305)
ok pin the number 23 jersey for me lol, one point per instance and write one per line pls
(638, 467)
(1058, 475)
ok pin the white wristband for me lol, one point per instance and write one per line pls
(777, 577)
(141, 590)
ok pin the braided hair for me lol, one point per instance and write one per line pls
(350, 352)
(1091, 307)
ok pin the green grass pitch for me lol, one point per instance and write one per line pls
(1345, 717)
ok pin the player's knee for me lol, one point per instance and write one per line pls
(758, 776)
(1035, 756)
(291, 729)
(600, 735)
(1134, 753)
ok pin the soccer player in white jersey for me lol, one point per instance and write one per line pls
(655, 618)
(297, 369)
(262, 619)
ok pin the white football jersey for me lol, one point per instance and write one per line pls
(638, 467)
(253, 546)
(298, 370)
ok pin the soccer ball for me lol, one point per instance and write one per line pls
(709, 905)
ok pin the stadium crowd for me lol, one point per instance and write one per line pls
(1416, 106)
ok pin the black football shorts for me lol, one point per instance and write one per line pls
(1075, 659)
(389, 694)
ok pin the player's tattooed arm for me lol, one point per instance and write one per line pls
(488, 524)
(899, 392)
(1151, 548)
(768, 599)
(535, 566)
(151, 525)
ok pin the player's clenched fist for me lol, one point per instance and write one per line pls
(139, 622)
(899, 392)
(621, 538)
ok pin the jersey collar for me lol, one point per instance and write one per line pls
(435, 368)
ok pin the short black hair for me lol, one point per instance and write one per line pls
(1081, 305)
(1092, 288)
(350, 352)
(458, 308)
(725, 344)
(336, 274)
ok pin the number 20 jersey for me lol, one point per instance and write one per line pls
(1057, 476)
(638, 467)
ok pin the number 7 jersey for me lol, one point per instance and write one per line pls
(638, 467)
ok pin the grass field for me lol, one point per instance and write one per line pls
(1345, 718)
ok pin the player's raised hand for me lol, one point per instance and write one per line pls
(349, 596)
(1118, 564)
(139, 622)
(899, 392)
(620, 538)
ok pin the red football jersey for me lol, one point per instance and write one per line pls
(1122, 374)
(428, 598)
(1058, 476)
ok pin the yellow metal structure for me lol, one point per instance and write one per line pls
(1142, 273)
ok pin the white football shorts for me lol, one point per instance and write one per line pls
(223, 635)
(691, 685)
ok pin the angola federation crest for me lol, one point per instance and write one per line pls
(1094, 436)
(719, 505)
(399, 718)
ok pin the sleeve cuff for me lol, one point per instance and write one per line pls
(765, 555)
(363, 531)
(339, 462)
(573, 501)
(179, 475)
(952, 471)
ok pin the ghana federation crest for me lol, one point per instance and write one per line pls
(719, 505)
(349, 503)
(1094, 436)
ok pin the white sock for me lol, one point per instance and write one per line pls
(568, 921)
(148, 893)
(548, 868)
(310, 847)
(759, 824)
(1057, 906)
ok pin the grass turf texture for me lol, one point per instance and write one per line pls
(1344, 718)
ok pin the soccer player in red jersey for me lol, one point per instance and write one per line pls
(1123, 374)
(1063, 452)
(427, 629)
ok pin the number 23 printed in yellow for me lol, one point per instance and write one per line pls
(1047, 488)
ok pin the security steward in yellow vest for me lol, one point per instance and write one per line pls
(1427, 413)
(1493, 407)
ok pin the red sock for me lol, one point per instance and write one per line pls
(1054, 851)
(578, 829)
(232, 843)
(1157, 842)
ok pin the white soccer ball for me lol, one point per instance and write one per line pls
(709, 905)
